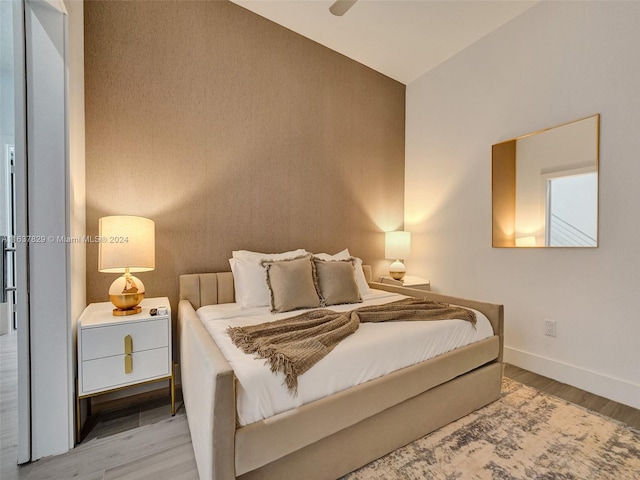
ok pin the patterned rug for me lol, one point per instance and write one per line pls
(526, 434)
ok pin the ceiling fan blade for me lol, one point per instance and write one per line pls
(340, 7)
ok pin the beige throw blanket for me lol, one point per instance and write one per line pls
(295, 344)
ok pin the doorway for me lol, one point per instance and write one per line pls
(14, 325)
(572, 218)
(35, 78)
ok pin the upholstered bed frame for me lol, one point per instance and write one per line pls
(335, 435)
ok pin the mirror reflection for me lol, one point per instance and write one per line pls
(545, 187)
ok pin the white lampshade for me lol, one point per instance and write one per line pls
(126, 242)
(397, 245)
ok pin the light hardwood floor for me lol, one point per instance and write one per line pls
(145, 442)
(132, 443)
(8, 404)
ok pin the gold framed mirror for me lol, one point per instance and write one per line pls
(545, 187)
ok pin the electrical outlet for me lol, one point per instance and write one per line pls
(550, 328)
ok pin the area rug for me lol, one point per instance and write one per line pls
(526, 434)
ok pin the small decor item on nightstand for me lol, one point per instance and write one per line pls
(127, 244)
(397, 247)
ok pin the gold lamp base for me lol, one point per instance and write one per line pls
(126, 292)
(122, 312)
(126, 304)
(397, 270)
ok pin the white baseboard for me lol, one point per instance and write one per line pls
(612, 388)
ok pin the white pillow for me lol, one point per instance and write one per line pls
(250, 278)
(250, 283)
(361, 280)
(343, 255)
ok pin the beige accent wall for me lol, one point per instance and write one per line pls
(232, 132)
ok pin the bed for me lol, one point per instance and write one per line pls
(335, 434)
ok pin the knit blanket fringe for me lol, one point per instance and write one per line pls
(293, 345)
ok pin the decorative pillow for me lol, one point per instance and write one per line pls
(361, 280)
(336, 281)
(249, 277)
(291, 284)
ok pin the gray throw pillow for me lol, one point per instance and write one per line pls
(291, 284)
(336, 281)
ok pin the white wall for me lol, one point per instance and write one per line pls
(7, 108)
(6, 75)
(7, 133)
(557, 62)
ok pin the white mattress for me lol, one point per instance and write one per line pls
(375, 349)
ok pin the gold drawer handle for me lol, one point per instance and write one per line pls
(128, 345)
(128, 350)
(128, 363)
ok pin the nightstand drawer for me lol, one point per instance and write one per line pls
(109, 372)
(109, 340)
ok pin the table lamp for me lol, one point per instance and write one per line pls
(397, 247)
(127, 244)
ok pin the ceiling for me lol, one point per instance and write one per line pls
(402, 39)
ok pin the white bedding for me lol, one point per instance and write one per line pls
(375, 349)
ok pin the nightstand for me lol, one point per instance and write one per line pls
(121, 352)
(408, 281)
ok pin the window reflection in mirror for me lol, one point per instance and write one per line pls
(545, 187)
